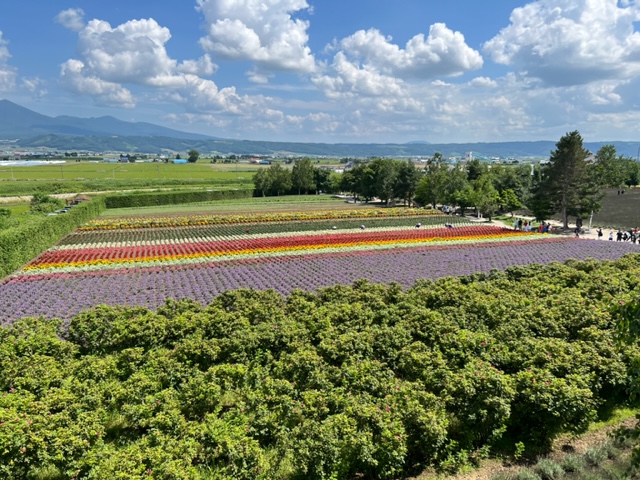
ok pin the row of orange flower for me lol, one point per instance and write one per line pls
(257, 245)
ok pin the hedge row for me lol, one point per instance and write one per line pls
(20, 244)
(148, 199)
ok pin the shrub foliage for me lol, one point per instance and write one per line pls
(21, 243)
(146, 199)
(363, 380)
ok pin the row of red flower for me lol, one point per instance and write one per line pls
(264, 243)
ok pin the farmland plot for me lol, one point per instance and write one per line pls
(143, 261)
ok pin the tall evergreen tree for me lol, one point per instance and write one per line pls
(567, 181)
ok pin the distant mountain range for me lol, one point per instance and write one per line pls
(101, 134)
(20, 122)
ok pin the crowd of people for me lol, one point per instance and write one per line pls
(619, 235)
(527, 225)
(622, 235)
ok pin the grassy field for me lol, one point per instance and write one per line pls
(88, 176)
(256, 204)
(102, 170)
(16, 208)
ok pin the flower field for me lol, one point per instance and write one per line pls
(143, 261)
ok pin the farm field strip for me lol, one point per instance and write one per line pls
(63, 295)
(211, 258)
(206, 236)
(264, 244)
(106, 262)
(262, 217)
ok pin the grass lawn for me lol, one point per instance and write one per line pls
(256, 204)
(16, 208)
(102, 170)
(87, 176)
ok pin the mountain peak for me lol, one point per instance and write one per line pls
(18, 121)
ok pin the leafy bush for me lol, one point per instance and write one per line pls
(548, 469)
(595, 455)
(146, 199)
(22, 242)
(526, 474)
(41, 203)
(572, 462)
(502, 476)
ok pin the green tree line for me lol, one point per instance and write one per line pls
(569, 184)
(303, 177)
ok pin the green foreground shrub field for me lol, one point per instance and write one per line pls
(364, 380)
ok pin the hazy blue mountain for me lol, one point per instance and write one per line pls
(110, 134)
(20, 122)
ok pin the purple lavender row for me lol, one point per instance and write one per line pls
(64, 296)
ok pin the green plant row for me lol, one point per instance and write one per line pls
(258, 228)
(361, 381)
(21, 243)
(28, 187)
(145, 199)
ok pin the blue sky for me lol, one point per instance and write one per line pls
(333, 71)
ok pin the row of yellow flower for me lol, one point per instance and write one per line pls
(180, 221)
(243, 252)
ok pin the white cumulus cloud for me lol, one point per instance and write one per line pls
(349, 79)
(262, 31)
(571, 42)
(368, 64)
(73, 75)
(132, 52)
(7, 72)
(442, 52)
(114, 60)
(72, 18)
